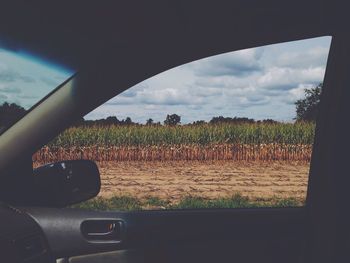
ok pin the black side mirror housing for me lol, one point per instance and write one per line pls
(65, 183)
(53, 185)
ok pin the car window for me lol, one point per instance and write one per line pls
(24, 80)
(229, 131)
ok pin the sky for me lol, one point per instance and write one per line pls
(259, 83)
(25, 79)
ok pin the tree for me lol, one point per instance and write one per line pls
(172, 119)
(79, 122)
(149, 122)
(200, 122)
(235, 120)
(267, 121)
(127, 121)
(111, 120)
(308, 107)
(10, 113)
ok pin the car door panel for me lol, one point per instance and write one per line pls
(180, 235)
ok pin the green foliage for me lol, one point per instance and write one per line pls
(149, 122)
(172, 120)
(10, 113)
(221, 119)
(287, 202)
(236, 201)
(97, 203)
(202, 134)
(127, 203)
(122, 203)
(307, 108)
(153, 201)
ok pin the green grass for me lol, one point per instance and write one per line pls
(123, 203)
(285, 133)
(287, 202)
(156, 202)
(127, 203)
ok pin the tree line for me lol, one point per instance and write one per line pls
(170, 120)
(306, 110)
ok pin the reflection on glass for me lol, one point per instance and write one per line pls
(24, 80)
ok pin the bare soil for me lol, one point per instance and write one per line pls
(177, 179)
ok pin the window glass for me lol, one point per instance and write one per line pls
(24, 80)
(232, 130)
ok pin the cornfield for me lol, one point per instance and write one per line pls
(237, 142)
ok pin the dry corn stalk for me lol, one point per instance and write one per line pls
(233, 152)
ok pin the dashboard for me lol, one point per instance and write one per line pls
(21, 238)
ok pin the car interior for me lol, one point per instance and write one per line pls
(113, 45)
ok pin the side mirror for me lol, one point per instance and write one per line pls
(65, 183)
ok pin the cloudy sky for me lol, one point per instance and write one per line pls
(24, 79)
(257, 83)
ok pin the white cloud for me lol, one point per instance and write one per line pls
(312, 57)
(288, 78)
(239, 63)
(297, 93)
(257, 83)
(168, 96)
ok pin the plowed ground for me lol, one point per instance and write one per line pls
(174, 180)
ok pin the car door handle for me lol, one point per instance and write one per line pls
(103, 230)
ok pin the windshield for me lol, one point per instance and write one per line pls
(24, 80)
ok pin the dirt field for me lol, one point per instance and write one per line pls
(174, 180)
